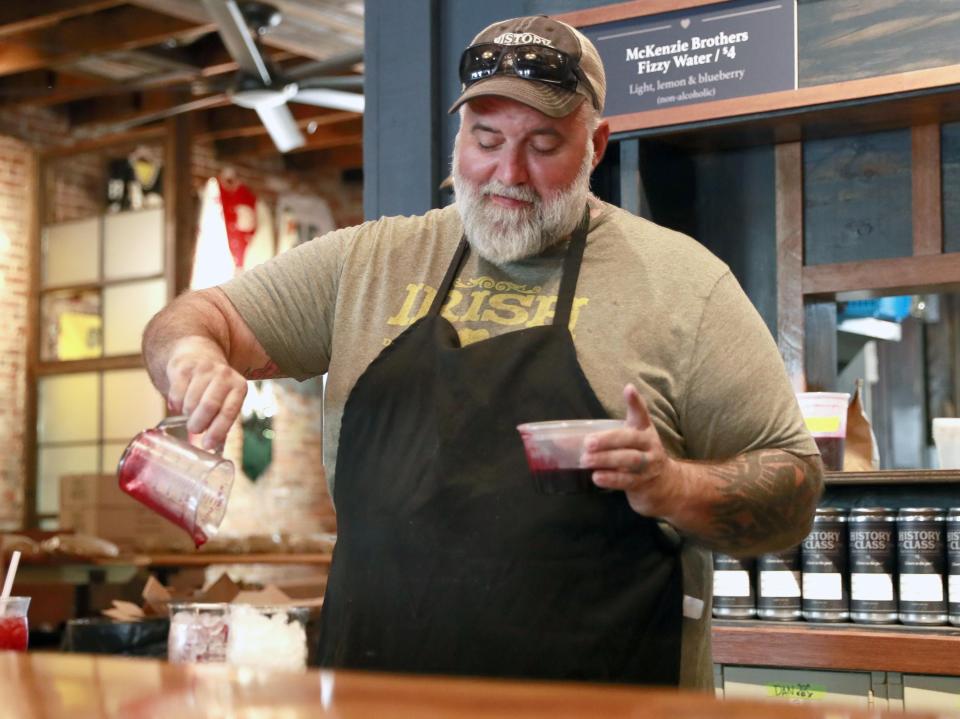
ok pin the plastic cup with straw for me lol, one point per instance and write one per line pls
(13, 612)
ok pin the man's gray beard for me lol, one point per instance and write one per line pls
(505, 234)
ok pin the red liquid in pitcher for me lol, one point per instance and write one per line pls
(831, 450)
(137, 478)
(13, 634)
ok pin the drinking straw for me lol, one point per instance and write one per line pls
(11, 571)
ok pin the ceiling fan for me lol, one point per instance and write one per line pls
(266, 91)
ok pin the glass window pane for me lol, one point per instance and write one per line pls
(110, 454)
(126, 310)
(71, 326)
(71, 253)
(133, 244)
(54, 462)
(68, 408)
(130, 403)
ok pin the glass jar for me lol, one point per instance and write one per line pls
(198, 632)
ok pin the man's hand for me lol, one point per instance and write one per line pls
(203, 386)
(758, 501)
(199, 353)
(633, 459)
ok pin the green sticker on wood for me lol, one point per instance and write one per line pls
(797, 691)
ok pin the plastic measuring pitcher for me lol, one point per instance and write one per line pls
(183, 483)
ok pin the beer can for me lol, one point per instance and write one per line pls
(824, 566)
(872, 537)
(953, 565)
(921, 555)
(733, 595)
(778, 585)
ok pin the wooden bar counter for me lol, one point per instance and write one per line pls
(81, 686)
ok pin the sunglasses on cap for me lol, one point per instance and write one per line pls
(528, 62)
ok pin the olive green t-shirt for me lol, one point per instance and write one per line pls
(652, 307)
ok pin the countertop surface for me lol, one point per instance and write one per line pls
(49, 684)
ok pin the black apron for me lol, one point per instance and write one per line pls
(447, 559)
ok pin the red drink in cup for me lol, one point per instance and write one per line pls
(14, 630)
(553, 453)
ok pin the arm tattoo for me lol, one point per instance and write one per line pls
(268, 371)
(767, 499)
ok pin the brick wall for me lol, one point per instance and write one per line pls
(17, 167)
(295, 478)
(20, 133)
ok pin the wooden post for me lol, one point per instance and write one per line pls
(180, 216)
(926, 191)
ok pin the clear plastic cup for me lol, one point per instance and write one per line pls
(183, 483)
(14, 629)
(553, 453)
(198, 632)
(825, 414)
(946, 436)
(268, 637)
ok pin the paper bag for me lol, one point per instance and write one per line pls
(860, 451)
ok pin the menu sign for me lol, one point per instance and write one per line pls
(713, 52)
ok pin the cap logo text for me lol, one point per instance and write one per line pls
(520, 38)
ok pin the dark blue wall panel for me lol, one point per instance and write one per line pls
(736, 219)
(857, 198)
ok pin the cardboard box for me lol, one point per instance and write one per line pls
(94, 504)
(87, 490)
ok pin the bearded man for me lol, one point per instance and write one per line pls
(528, 299)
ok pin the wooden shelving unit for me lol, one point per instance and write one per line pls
(848, 646)
(201, 559)
(845, 647)
(895, 477)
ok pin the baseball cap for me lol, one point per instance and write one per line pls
(550, 99)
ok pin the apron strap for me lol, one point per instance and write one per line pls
(444, 289)
(571, 271)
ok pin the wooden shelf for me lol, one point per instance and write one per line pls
(894, 476)
(849, 647)
(203, 559)
(878, 278)
(200, 559)
(856, 106)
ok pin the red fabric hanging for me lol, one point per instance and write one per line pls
(240, 217)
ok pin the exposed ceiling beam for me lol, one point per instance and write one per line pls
(343, 158)
(124, 107)
(226, 122)
(49, 87)
(17, 17)
(341, 134)
(313, 15)
(158, 105)
(118, 28)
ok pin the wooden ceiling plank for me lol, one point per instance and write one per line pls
(227, 122)
(155, 110)
(287, 36)
(44, 88)
(339, 135)
(343, 158)
(119, 28)
(18, 17)
(113, 109)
